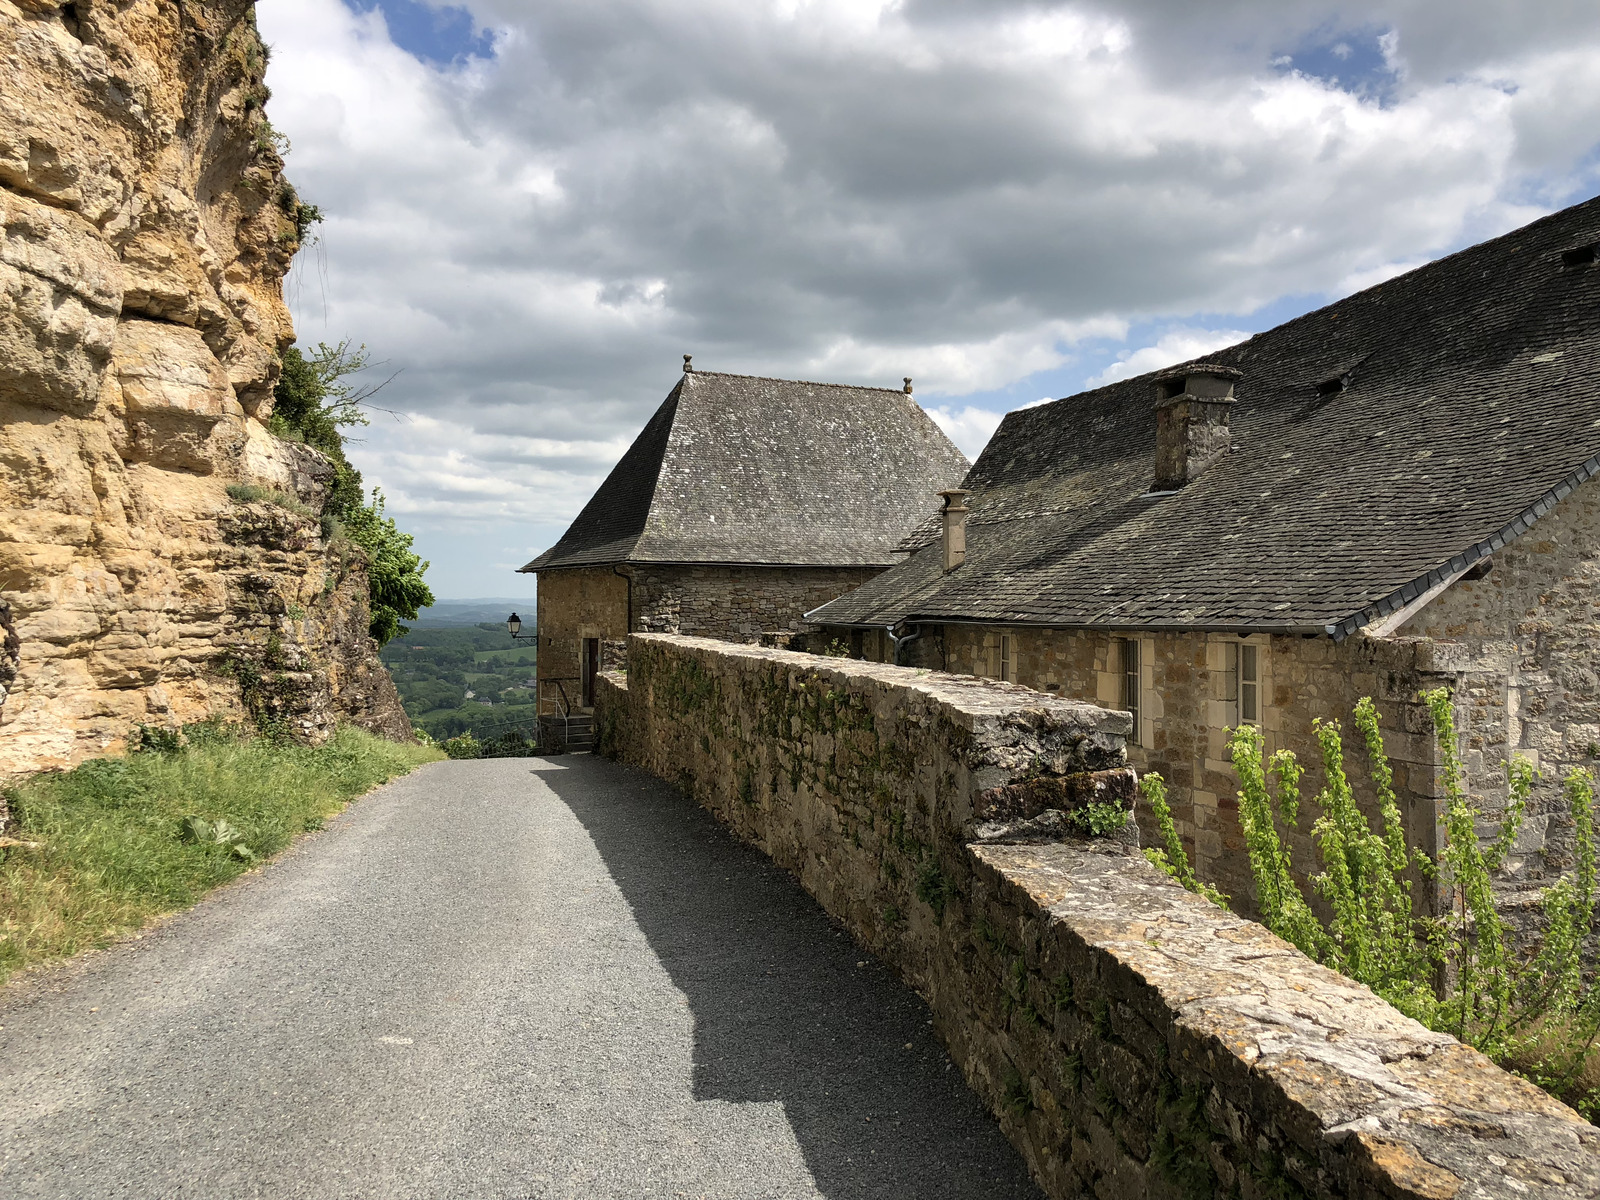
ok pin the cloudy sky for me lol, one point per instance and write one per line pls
(535, 207)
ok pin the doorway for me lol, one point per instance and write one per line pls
(590, 659)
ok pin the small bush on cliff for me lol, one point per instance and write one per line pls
(314, 403)
(1538, 1015)
(118, 841)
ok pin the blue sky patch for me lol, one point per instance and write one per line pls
(1350, 60)
(435, 35)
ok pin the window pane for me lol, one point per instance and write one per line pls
(1247, 664)
(1129, 648)
(1247, 702)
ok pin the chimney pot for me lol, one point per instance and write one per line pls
(908, 385)
(955, 526)
(1192, 413)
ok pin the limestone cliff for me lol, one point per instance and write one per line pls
(145, 229)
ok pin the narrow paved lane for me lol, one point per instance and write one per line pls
(512, 978)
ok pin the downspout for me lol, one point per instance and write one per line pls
(902, 640)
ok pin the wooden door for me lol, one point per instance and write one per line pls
(591, 668)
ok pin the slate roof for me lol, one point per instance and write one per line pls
(741, 469)
(1472, 405)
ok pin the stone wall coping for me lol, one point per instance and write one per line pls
(1374, 1096)
(976, 699)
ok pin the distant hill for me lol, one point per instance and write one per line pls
(474, 612)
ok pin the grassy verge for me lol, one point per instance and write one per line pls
(117, 841)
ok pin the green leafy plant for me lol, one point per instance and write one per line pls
(1099, 818)
(1171, 856)
(314, 402)
(216, 833)
(1539, 1015)
(462, 746)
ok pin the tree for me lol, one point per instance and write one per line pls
(313, 403)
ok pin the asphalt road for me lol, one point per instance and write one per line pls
(509, 978)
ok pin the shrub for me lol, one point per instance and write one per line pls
(462, 746)
(249, 493)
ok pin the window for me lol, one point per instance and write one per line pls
(1241, 683)
(1249, 686)
(1008, 658)
(1128, 665)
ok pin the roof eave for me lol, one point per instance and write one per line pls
(1477, 552)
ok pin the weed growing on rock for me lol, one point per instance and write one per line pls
(1099, 819)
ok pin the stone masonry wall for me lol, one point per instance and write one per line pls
(730, 603)
(733, 603)
(573, 604)
(1132, 1040)
(1525, 640)
(1183, 716)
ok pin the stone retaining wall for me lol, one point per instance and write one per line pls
(1132, 1040)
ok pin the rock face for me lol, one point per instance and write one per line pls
(145, 228)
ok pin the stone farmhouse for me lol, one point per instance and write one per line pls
(743, 503)
(1379, 497)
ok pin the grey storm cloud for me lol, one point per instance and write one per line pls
(964, 192)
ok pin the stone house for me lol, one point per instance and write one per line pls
(743, 503)
(1376, 498)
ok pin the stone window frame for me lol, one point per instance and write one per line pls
(1225, 658)
(1006, 644)
(990, 660)
(1111, 684)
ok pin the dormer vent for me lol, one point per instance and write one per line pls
(1578, 256)
(1330, 388)
(955, 512)
(1192, 413)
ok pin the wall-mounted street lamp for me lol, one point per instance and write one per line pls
(514, 628)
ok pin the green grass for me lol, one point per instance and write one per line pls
(108, 845)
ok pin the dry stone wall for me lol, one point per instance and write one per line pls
(145, 227)
(1132, 1040)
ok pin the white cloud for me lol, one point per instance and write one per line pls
(968, 427)
(1175, 346)
(969, 194)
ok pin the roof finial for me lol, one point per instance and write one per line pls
(908, 385)
(688, 364)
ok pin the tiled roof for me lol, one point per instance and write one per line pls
(740, 469)
(1472, 404)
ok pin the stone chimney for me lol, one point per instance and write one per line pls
(955, 527)
(1192, 412)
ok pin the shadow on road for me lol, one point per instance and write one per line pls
(786, 1006)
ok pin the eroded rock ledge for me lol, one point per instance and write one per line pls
(145, 228)
(1133, 1040)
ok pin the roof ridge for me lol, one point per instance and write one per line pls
(1155, 375)
(858, 387)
